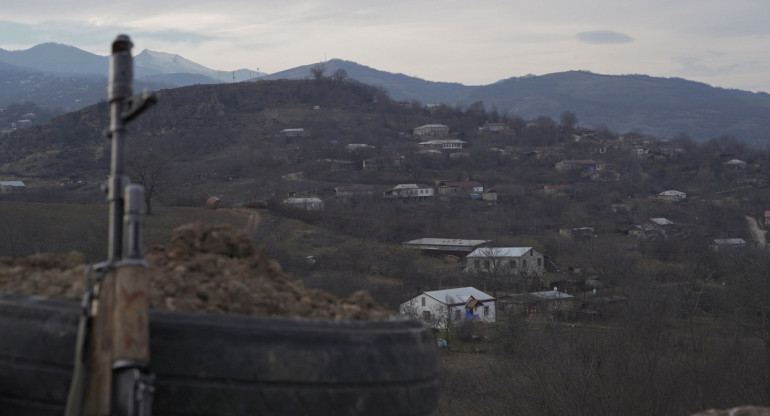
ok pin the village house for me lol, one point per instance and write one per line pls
(567, 165)
(7, 187)
(354, 191)
(295, 132)
(384, 163)
(495, 127)
(502, 191)
(431, 130)
(459, 155)
(352, 147)
(672, 196)
(660, 221)
(445, 246)
(728, 243)
(604, 174)
(307, 204)
(490, 196)
(441, 309)
(429, 152)
(651, 229)
(511, 260)
(557, 189)
(409, 191)
(735, 164)
(459, 188)
(445, 144)
(535, 304)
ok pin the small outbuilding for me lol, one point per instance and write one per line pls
(213, 202)
(12, 186)
(445, 246)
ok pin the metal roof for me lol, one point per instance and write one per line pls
(12, 183)
(458, 295)
(671, 193)
(500, 252)
(446, 242)
(729, 241)
(442, 141)
(551, 294)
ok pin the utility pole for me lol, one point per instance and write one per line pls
(111, 368)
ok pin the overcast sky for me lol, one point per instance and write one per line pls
(722, 43)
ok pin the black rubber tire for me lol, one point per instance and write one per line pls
(230, 365)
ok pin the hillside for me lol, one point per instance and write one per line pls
(657, 286)
(664, 107)
(399, 86)
(60, 76)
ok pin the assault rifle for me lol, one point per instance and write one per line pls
(113, 351)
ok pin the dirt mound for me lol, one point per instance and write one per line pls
(203, 268)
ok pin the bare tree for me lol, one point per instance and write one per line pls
(568, 121)
(150, 171)
(340, 76)
(497, 270)
(317, 71)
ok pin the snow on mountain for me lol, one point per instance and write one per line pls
(168, 63)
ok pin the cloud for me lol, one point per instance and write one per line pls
(603, 37)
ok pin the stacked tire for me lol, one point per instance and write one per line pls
(230, 365)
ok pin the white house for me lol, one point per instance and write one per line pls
(735, 164)
(514, 260)
(566, 165)
(296, 132)
(725, 243)
(431, 130)
(448, 144)
(409, 191)
(672, 195)
(464, 188)
(308, 204)
(439, 308)
(11, 186)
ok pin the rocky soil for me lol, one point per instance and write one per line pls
(203, 268)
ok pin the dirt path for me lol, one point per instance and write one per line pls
(252, 218)
(756, 232)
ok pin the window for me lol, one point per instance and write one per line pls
(486, 311)
(539, 262)
(423, 301)
(524, 264)
(512, 264)
(457, 314)
(426, 315)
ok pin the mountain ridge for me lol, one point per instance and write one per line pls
(665, 107)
